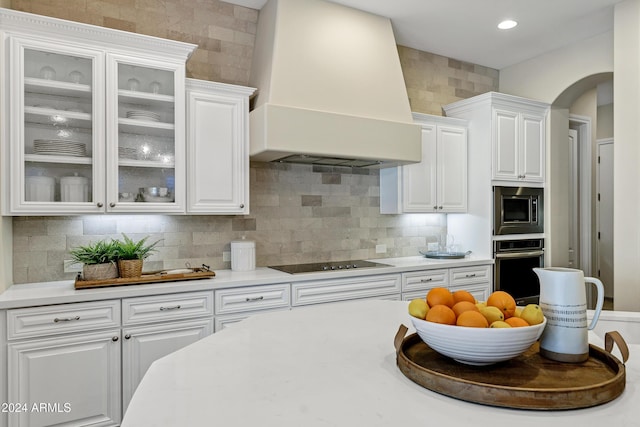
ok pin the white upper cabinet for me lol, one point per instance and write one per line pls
(513, 129)
(94, 117)
(518, 145)
(217, 148)
(439, 182)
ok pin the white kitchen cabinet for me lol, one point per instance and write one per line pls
(345, 288)
(475, 279)
(252, 298)
(155, 326)
(439, 182)
(143, 345)
(217, 148)
(92, 116)
(67, 356)
(518, 145)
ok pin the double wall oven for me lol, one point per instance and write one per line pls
(518, 218)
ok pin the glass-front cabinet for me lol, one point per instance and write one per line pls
(94, 126)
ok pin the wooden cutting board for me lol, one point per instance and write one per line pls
(145, 278)
(528, 381)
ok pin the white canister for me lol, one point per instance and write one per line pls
(243, 255)
(40, 189)
(74, 189)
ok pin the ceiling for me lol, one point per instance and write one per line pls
(466, 29)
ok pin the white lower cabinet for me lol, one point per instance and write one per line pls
(476, 279)
(71, 380)
(346, 288)
(143, 345)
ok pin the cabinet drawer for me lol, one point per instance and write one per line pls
(322, 291)
(426, 279)
(161, 308)
(62, 318)
(467, 275)
(252, 298)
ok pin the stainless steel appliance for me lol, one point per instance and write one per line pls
(327, 266)
(518, 210)
(513, 269)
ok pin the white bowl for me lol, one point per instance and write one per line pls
(477, 346)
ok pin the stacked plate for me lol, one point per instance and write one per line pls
(59, 147)
(143, 115)
(127, 153)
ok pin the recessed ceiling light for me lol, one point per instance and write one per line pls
(507, 24)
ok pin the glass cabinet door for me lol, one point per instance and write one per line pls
(145, 141)
(56, 131)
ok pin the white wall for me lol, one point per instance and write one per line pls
(546, 76)
(626, 156)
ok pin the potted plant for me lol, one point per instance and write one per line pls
(131, 254)
(99, 260)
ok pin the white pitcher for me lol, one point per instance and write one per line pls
(563, 299)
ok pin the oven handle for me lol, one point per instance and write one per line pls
(529, 254)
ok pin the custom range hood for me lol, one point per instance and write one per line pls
(330, 88)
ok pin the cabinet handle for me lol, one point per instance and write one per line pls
(114, 339)
(241, 205)
(426, 280)
(99, 204)
(470, 275)
(175, 307)
(254, 299)
(112, 205)
(128, 336)
(65, 319)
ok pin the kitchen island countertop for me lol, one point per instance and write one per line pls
(331, 365)
(62, 292)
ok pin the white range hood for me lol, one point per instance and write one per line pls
(330, 88)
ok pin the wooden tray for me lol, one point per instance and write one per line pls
(528, 381)
(145, 278)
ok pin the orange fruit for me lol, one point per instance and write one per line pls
(462, 306)
(441, 314)
(472, 319)
(504, 302)
(437, 296)
(463, 296)
(516, 322)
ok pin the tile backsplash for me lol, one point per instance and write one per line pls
(299, 214)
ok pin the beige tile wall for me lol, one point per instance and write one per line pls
(298, 213)
(223, 32)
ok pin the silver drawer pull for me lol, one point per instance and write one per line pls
(254, 299)
(426, 280)
(175, 307)
(470, 275)
(65, 319)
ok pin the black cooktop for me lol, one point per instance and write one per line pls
(327, 266)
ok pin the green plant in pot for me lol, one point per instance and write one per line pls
(99, 260)
(131, 255)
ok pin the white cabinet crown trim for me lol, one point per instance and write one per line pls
(27, 23)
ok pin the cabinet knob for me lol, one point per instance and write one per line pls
(435, 208)
(440, 207)
(241, 205)
(128, 336)
(99, 204)
(114, 339)
(112, 205)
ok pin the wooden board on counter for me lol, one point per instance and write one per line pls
(144, 279)
(528, 381)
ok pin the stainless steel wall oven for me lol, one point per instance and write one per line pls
(518, 210)
(514, 264)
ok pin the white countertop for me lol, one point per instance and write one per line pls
(327, 365)
(62, 292)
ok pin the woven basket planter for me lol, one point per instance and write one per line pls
(130, 267)
(100, 271)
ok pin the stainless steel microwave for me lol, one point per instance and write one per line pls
(518, 210)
